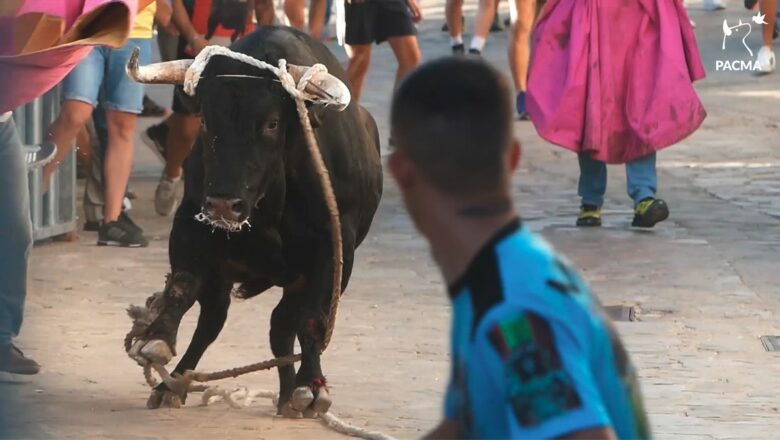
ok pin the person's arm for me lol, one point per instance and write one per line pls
(163, 15)
(520, 351)
(447, 429)
(600, 433)
(417, 15)
(182, 20)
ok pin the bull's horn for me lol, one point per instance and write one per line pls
(169, 72)
(324, 86)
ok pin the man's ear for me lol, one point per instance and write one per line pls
(515, 152)
(402, 169)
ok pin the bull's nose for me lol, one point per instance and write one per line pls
(228, 209)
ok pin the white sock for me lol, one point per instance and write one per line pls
(478, 43)
(456, 40)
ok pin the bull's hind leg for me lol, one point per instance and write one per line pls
(214, 299)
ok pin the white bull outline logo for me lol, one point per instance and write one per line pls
(729, 30)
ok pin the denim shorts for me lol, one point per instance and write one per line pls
(105, 67)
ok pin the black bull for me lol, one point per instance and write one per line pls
(251, 162)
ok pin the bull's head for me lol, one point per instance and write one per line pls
(248, 122)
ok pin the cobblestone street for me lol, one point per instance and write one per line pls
(703, 285)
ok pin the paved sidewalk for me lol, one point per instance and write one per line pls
(704, 285)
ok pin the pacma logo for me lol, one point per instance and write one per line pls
(743, 30)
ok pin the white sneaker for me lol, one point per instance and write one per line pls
(766, 59)
(693, 23)
(165, 197)
(714, 5)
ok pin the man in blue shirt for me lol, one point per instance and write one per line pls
(532, 354)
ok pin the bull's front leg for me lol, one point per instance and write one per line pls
(214, 298)
(311, 395)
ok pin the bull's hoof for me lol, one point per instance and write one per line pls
(310, 413)
(301, 398)
(157, 351)
(322, 402)
(288, 412)
(163, 399)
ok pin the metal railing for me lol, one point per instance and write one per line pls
(55, 212)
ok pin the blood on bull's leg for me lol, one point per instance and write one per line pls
(177, 298)
(213, 294)
(282, 336)
(311, 395)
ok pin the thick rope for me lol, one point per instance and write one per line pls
(184, 382)
(298, 93)
(234, 400)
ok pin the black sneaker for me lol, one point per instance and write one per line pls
(154, 137)
(12, 360)
(649, 212)
(152, 109)
(476, 52)
(496, 26)
(458, 50)
(37, 156)
(590, 216)
(121, 233)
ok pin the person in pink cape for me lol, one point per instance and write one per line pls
(40, 42)
(613, 82)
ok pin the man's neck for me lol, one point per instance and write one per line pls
(459, 231)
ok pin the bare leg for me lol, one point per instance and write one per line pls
(84, 148)
(407, 52)
(359, 60)
(294, 9)
(317, 18)
(119, 161)
(182, 132)
(520, 43)
(73, 116)
(264, 11)
(454, 14)
(769, 8)
(484, 19)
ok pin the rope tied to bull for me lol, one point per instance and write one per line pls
(298, 91)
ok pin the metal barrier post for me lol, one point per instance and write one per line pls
(55, 212)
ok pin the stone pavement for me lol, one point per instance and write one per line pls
(703, 285)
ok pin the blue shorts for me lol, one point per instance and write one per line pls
(105, 67)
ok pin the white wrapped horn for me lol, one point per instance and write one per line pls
(169, 72)
(325, 87)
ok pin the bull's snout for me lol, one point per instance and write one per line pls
(234, 210)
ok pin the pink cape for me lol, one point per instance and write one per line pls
(614, 79)
(66, 30)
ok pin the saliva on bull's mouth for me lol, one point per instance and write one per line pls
(207, 216)
(221, 222)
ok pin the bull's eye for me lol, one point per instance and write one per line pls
(273, 125)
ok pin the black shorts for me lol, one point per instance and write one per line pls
(377, 20)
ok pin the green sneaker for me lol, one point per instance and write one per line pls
(590, 215)
(649, 212)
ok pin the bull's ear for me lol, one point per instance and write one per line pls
(325, 89)
(190, 103)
